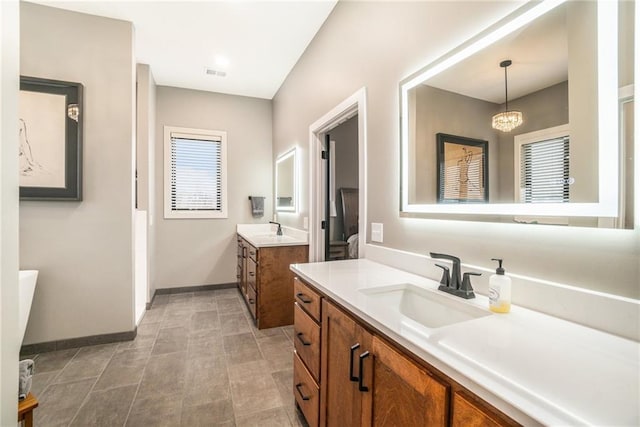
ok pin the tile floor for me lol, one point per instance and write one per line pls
(197, 360)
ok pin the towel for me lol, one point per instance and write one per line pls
(257, 206)
(25, 375)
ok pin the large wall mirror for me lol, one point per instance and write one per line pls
(530, 121)
(286, 182)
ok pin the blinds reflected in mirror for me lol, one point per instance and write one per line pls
(544, 171)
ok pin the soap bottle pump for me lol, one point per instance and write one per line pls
(499, 290)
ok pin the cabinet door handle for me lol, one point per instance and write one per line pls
(244, 252)
(252, 253)
(301, 393)
(361, 385)
(351, 351)
(251, 301)
(251, 273)
(237, 276)
(299, 336)
(299, 295)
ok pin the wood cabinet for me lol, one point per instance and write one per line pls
(266, 283)
(307, 349)
(404, 393)
(345, 347)
(367, 380)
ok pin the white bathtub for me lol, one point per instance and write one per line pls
(27, 287)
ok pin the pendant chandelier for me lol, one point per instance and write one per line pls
(507, 120)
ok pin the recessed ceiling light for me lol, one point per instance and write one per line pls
(221, 61)
(212, 72)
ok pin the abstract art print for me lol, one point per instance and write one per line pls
(49, 126)
(462, 169)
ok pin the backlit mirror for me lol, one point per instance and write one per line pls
(526, 122)
(286, 182)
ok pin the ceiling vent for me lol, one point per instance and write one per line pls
(212, 72)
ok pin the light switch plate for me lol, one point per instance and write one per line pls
(376, 232)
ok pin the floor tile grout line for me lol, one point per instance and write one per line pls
(86, 398)
(53, 380)
(135, 395)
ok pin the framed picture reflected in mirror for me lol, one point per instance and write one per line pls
(462, 165)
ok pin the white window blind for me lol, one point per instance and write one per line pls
(195, 167)
(544, 171)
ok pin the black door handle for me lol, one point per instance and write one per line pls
(352, 350)
(361, 385)
(299, 295)
(299, 336)
(301, 393)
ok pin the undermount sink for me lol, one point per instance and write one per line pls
(419, 309)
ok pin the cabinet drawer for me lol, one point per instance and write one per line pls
(307, 298)
(252, 253)
(252, 273)
(307, 340)
(306, 392)
(251, 298)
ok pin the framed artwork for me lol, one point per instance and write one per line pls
(50, 139)
(463, 165)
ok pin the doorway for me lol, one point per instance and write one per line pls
(326, 210)
(341, 190)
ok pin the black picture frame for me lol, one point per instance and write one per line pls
(54, 175)
(463, 169)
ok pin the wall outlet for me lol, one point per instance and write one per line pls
(376, 232)
(305, 222)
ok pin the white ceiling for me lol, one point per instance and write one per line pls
(261, 40)
(539, 53)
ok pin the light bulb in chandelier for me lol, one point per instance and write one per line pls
(507, 120)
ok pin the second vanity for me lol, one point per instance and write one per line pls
(263, 274)
(363, 353)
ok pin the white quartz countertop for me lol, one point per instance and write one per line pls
(534, 367)
(264, 235)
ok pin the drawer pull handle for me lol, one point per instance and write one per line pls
(251, 273)
(252, 301)
(298, 386)
(237, 276)
(361, 385)
(252, 253)
(351, 351)
(300, 296)
(300, 335)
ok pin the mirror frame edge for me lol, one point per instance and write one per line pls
(607, 206)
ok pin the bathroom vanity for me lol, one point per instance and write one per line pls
(371, 349)
(263, 274)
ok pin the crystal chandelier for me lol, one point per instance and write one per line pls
(507, 120)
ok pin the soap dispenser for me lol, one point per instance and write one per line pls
(499, 290)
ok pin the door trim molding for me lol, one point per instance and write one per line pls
(354, 104)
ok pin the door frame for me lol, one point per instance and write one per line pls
(355, 104)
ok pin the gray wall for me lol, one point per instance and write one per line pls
(441, 111)
(346, 167)
(540, 110)
(9, 83)
(83, 249)
(203, 251)
(376, 45)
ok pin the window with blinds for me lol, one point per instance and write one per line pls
(195, 173)
(544, 171)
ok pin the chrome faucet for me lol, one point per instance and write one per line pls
(279, 232)
(454, 284)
